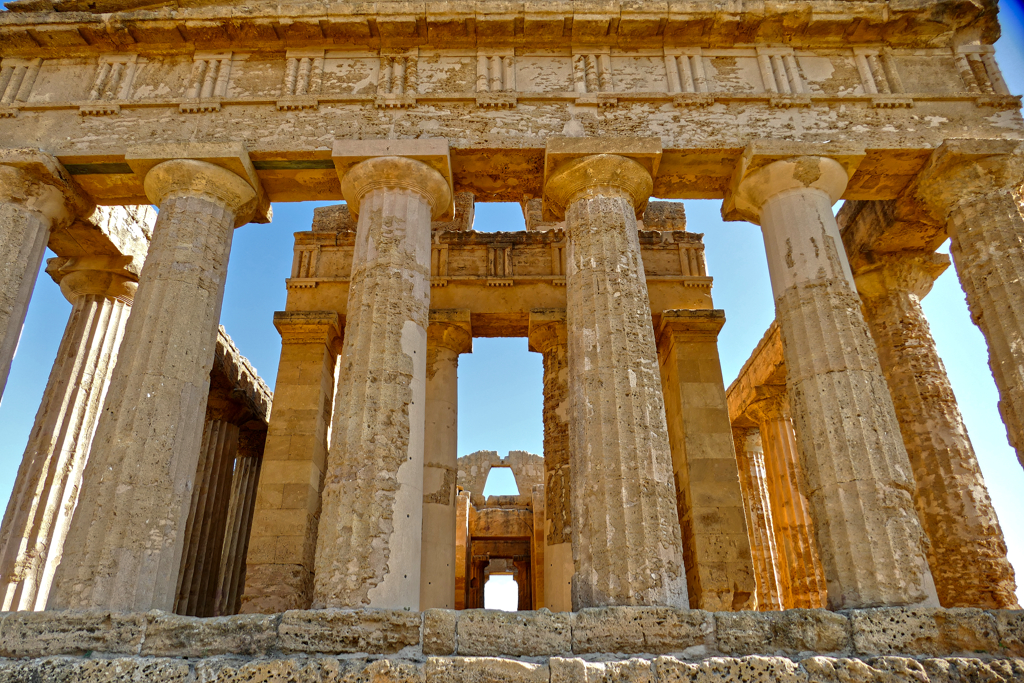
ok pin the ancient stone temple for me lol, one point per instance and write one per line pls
(821, 520)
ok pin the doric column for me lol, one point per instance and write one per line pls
(716, 550)
(757, 509)
(802, 577)
(625, 531)
(973, 187)
(36, 195)
(248, 462)
(448, 335)
(524, 582)
(462, 558)
(967, 553)
(538, 545)
(45, 493)
(858, 475)
(282, 546)
(125, 544)
(547, 337)
(368, 546)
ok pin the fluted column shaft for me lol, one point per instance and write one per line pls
(248, 462)
(124, 548)
(803, 580)
(448, 335)
(46, 489)
(757, 509)
(625, 533)
(369, 540)
(859, 482)
(548, 337)
(36, 195)
(967, 553)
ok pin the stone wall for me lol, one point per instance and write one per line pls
(609, 644)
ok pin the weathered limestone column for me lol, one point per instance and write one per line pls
(625, 531)
(973, 187)
(462, 505)
(125, 544)
(801, 573)
(547, 336)
(368, 546)
(538, 545)
(36, 195)
(248, 462)
(859, 482)
(967, 553)
(282, 546)
(449, 334)
(101, 290)
(757, 508)
(524, 582)
(716, 549)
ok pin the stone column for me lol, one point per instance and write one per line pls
(801, 573)
(858, 476)
(967, 553)
(282, 546)
(524, 582)
(36, 195)
(248, 462)
(716, 550)
(547, 336)
(462, 505)
(625, 532)
(124, 547)
(538, 543)
(368, 546)
(45, 493)
(757, 508)
(448, 335)
(973, 187)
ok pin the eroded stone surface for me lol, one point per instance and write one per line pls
(788, 633)
(653, 630)
(337, 631)
(489, 632)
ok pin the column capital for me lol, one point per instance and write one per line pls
(39, 182)
(451, 328)
(188, 177)
(964, 170)
(231, 156)
(547, 329)
(310, 327)
(767, 168)
(114, 277)
(423, 166)
(771, 402)
(913, 272)
(690, 325)
(576, 165)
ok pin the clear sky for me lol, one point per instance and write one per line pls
(500, 382)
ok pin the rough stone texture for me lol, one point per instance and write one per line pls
(338, 631)
(38, 634)
(924, 632)
(125, 542)
(282, 546)
(653, 630)
(627, 554)
(791, 632)
(178, 636)
(536, 634)
(580, 671)
(46, 489)
(483, 670)
(757, 509)
(859, 481)
(716, 548)
(439, 631)
(966, 553)
(723, 670)
(368, 545)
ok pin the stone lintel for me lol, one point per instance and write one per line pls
(873, 230)
(766, 366)
(547, 328)
(451, 328)
(232, 156)
(558, 151)
(311, 327)
(690, 324)
(761, 153)
(914, 272)
(109, 231)
(247, 388)
(431, 151)
(45, 169)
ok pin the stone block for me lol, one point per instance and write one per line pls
(782, 633)
(490, 632)
(439, 631)
(730, 670)
(336, 631)
(884, 631)
(576, 670)
(37, 634)
(964, 670)
(79, 670)
(173, 635)
(633, 630)
(1010, 625)
(483, 670)
(292, 669)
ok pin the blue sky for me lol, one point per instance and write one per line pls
(500, 382)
